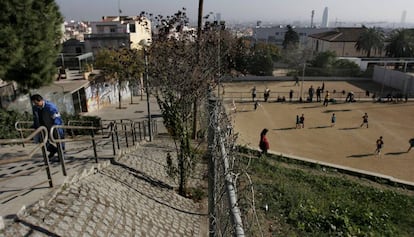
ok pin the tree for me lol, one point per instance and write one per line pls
(260, 61)
(324, 59)
(241, 55)
(257, 59)
(370, 39)
(120, 66)
(401, 44)
(291, 39)
(176, 83)
(11, 49)
(182, 69)
(35, 42)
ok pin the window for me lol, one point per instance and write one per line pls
(100, 29)
(112, 29)
(132, 28)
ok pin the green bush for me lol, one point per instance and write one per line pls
(7, 122)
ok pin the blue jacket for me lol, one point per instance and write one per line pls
(47, 116)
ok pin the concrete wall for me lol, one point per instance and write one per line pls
(97, 96)
(342, 49)
(401, 81)
(63, 101)
(103, 94)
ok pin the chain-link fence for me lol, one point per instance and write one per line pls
(224, 213)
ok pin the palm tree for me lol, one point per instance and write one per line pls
(401, 44)
(370, 39)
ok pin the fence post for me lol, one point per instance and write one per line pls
(231, 192)
(211, 165)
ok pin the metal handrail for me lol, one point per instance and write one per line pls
(78, 123)
(141, 127)
(43, 133)
(21, 129)
(55, 137)
(39, 131)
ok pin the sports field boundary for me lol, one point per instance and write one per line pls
(373, 176)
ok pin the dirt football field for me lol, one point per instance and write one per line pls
(346, 143)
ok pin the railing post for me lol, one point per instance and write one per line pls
(140, 132)
(144, 128)
(124, 127)
(113, 138)
(133, 132)
(60, 151)
(45, 159)
(94, 146)
(116, 135)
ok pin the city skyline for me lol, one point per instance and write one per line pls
(243, 10)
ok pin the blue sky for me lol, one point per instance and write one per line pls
(248, 10)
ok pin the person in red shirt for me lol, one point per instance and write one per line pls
(264, 143)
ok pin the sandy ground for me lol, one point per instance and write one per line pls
(344, 144)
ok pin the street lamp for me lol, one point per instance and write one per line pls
(144, 43)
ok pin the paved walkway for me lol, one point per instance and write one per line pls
(129, 196)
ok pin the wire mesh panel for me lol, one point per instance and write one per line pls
(224, 213)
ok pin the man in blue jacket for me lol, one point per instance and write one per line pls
(45, 113)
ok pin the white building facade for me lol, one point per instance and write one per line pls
(116, 32)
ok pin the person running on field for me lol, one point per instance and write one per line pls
(296, 81)
(302, 121)
(318, 94)
(380, 144)
(297, 121)
(256, 104)
(326, 100)
(364, 120)
(311, 91)
(253, 93)
(333, 120)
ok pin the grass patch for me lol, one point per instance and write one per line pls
(314, 201)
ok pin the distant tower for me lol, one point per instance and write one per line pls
(218, 17)
(403, 18)
(312, 14)
(325, 18)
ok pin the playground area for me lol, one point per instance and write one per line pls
(346, 143)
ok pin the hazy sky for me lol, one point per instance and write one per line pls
(248, 10)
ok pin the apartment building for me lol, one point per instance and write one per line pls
(115, 32)
(276, 34)
(342, 41)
